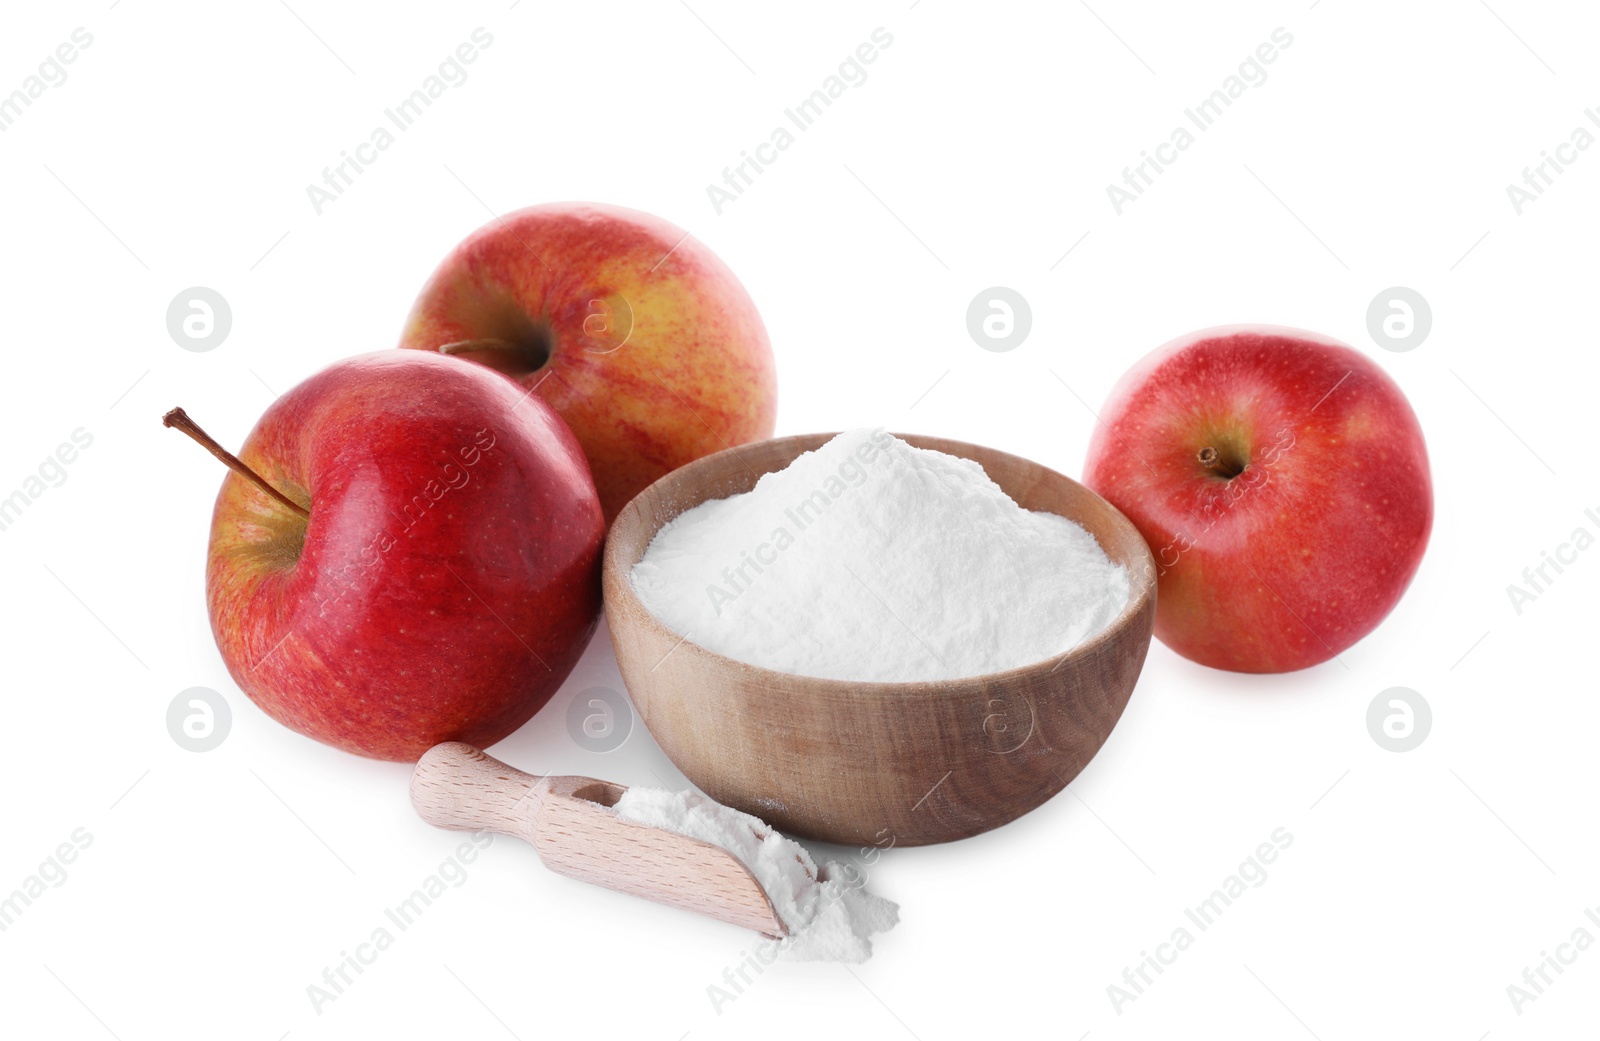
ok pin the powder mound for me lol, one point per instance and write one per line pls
(829, 915)
(871, 560)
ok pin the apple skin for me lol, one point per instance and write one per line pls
(689, 374)
(1304, 552)
(448, 577)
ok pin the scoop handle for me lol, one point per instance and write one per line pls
(571, 822)
(463, 788)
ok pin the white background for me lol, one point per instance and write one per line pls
(977, 153)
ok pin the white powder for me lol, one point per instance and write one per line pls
(872, 560)
(828, 914)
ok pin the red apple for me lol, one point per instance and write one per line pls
(1282, 483)
(642, 340)
(447, 577)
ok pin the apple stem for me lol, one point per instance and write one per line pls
(179, 419)
(487, 344)
(1212, 460)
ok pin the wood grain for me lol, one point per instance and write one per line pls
(875, 764)
(572, 824)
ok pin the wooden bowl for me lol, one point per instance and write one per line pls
(875, 764)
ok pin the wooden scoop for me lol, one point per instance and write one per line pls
(572, 822)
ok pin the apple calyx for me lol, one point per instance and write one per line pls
(179, 419)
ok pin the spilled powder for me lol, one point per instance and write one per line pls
(828, 914)
(871, 560)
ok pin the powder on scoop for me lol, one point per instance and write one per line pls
(871, 560)
(828, 914)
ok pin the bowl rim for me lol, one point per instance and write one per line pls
(1141, 590)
